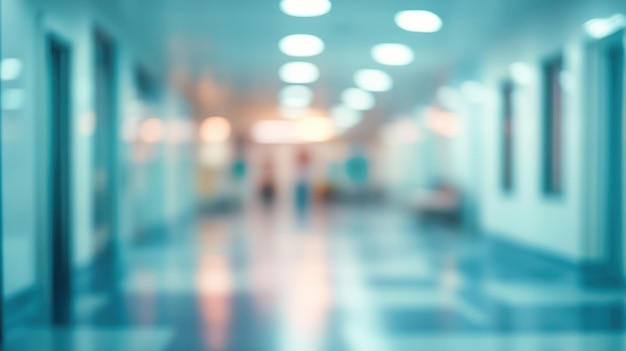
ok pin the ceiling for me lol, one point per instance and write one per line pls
(234, 43)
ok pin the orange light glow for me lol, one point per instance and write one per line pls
(309, 295)
(215, 130)
(216, 284)
(442, 122)
(301, 131)
(316, 129)
(151, 130)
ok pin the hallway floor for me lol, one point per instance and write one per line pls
(346, 278)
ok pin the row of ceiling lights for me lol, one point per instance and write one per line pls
(357, 99)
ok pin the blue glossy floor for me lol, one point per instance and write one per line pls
(341, 278)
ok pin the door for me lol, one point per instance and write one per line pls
(614, 73)
(605, 167)
(60, 159)
(104, 161)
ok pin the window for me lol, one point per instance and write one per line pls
(553, 127)
(508, 135)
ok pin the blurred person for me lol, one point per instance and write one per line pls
(303, 181)
(325, 191)
(238, 173)
(268, 183)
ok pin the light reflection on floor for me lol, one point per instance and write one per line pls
(345, 278)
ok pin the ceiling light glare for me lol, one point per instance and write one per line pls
(522, 73)
(373, 80)
(299, 73)
(345, 118)
(315, 129)
(274, 132)
(215, 130)
(294, 112)
(306, 8)
(307, 130)
(358, 99)
(393, 54)
(401, 132)
(297, 96)
(419, 21)
(10, 69)
(599, 28)
(301, 45)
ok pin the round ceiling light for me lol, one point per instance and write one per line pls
(373, 80)
(358, 99)
(306, 8)
(301, 45)
(298, 96)
(393, 54)
(419, 21)
(299, 73)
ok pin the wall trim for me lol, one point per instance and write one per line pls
(547, 264)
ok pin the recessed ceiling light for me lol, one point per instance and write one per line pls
(299, 73)
(301, 45)
(522, 73)
(345, 118)
(419, 21)
(297, 96)
(373, 80)
(602, 27)
(358, 99)
(306, 8)
(393, 54)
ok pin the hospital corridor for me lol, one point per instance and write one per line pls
(312, 175)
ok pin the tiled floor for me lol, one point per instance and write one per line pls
(354, 279)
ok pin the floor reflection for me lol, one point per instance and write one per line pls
(346, 279)
(216, 287)
(307, 293)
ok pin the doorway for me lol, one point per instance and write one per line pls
(614, 59)
(105, 149)
(60, 173)
(606, 93)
